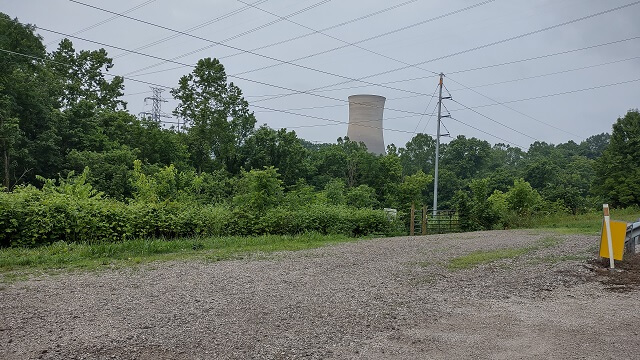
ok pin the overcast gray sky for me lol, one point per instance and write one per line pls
(553, 119)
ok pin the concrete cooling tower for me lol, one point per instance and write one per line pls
(365, 121)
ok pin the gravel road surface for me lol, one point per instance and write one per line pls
(391, 298)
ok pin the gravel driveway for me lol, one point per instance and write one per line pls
(389, 298)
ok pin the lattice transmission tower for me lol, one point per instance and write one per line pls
(156, 105)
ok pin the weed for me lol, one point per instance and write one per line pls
(485, 256)
(589, 223)
(91, 256)
(488, 256)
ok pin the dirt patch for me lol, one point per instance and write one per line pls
(625, 277)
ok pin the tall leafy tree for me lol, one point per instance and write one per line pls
(281, 149)
(466, 157)
(28, 140)
(217, 115)
(618, 170)
(418, 154)
(82, 77)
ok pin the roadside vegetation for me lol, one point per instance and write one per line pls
(487, 256)
(69, 256)
(588, 223)
(80, 173)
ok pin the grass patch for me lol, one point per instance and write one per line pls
(590, 223)
(487, 256)
(555, 259)
(484, 256)
(88, 256)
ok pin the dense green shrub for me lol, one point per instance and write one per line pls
(72, 212)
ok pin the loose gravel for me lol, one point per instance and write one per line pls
(392, 298)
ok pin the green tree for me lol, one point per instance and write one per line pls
(82, 77)
(593, 147)
(362, 197)
(418, 154)
(335, 192)
(258, 190)
(466, 158)
(618, 170)
(281, 149)
(29, 143)
(522, 198)
(413, 189)
(217, 116)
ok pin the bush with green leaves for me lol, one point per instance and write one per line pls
(71, 210)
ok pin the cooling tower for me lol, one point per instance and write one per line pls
(365, 121)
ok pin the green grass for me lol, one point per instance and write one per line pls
(590, 223)
(63, 256)
(487, 256)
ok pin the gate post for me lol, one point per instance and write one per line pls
(424, 220)
(413, 216)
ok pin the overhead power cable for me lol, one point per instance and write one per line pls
(484, 46)
(491, 66)
(330, 120)
(546, 55)
(224, 45)
(193, 28)
(553, 95)
(331, 36)
(426, 109)
(262, 107)
(546, 74)
(512, 109)
(105, 74)
(106, 20)
(347, 44)
(216, 43)
(303, 35)
(495, 121)
(487, 133)
(230, 76)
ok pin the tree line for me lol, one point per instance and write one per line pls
(62, 113)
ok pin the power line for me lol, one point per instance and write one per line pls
(281, 111)
(470, 49)
(425, 110)
(512, 109)
(491, 66)
(105, 74)
(193, 28)
(363, 40)
(303, 35)
(231, 76)
(326, 119)
(552, 95)
(377, 37)
(106, 20)
(486, 133)
(224, 45)
(547, 74)
(257, 106)
(137, 93)
(495, 121)
(430, 117)
(335, 38)
(235, 36)
(547, 55)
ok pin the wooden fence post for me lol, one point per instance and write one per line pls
(424, 220)
(413, 217)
